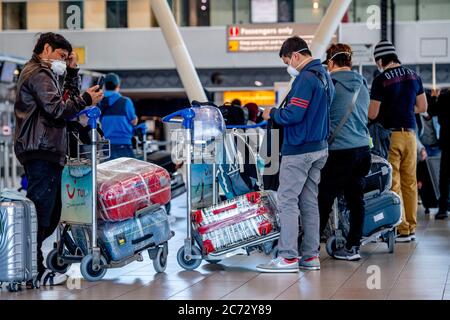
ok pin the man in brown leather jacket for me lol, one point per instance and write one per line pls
(41, 110)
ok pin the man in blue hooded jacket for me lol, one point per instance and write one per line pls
(305, 122)
(118, 118)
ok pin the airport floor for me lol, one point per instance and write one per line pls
(416, 270)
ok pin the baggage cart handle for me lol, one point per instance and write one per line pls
(141, 127)
(258, 125)
(187, 114)
(92, 113)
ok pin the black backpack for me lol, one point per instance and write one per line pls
(232, 114)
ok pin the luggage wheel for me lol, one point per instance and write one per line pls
(160, 261)
(14, 287)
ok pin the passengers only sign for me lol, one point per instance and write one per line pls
(267, 37)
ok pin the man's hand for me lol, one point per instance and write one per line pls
(72, 61)
(435, 92)
(96, 94)
(423, 154)
(266, 113)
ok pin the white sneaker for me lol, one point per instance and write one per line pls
(279, 264)
(50, 278)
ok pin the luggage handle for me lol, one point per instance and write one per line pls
(141, 239)
(151, 208)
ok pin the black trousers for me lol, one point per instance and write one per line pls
(344, 172)
(44, 189)
(444, 179)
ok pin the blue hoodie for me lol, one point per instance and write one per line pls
(117, 114)
(354, 133)
(306, 119)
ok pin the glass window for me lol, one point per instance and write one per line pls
(221, 12)
(405, 10)
(285, 11)
(71, 15)
(117, 14)
(14, 15)
(434, 10)
(310, 11)
(242, 13)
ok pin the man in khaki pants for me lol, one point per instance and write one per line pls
(397, 94)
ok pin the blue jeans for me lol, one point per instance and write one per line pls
(433, 151)
(44, 189)
(121, 150)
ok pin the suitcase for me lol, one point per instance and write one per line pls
(122, 240)
(127, 185)
(18, 239)
(426, 191)
(233, 223)
(379, 178)
(163, 159)
(382, 212)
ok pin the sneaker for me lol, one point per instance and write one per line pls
(50, 278)
(347, 254)
(402, 238)
(441, 215)
(311, 263)
(412, 235)
(279, 264)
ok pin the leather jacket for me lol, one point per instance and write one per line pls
(41, 110)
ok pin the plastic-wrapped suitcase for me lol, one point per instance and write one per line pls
(234, 222)
(121, 240)
(127, 185)
(382, 212)
(18, 239)
(379, 178)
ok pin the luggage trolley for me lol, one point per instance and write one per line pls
(83, 245)
(191, 254)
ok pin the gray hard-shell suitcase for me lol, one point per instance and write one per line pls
(18, 239)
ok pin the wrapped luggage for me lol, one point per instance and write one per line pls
(234, 222)
(121, 240)
(127, 185)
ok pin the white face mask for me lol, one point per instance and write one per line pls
(58, 67)
(293, 70)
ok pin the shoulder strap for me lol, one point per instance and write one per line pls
(347, 114)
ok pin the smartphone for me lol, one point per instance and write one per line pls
(101, 83)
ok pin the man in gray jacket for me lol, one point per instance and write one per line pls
(349, 154)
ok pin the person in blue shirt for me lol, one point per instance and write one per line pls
(118, 118)
(396, 96)
(305, 122)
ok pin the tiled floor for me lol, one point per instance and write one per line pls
(418, 270)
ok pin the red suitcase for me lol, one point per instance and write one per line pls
(127, 185)
(235, 222)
